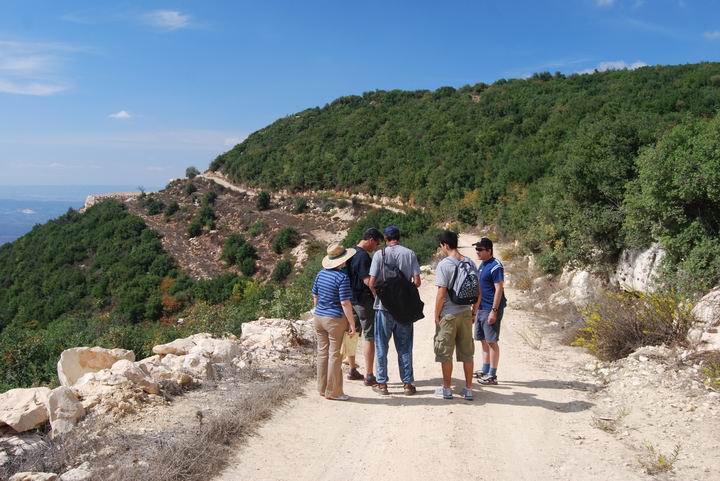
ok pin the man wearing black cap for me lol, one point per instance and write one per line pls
(490, 308)
(385, 324)
(363, 300)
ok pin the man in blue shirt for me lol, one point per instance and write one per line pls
(490, 308)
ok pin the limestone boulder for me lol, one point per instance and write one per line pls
(81, 473)
(24, 409)
(31, 476)
(707, 310)
(195, 365)
(267, 337)
(158, 372)
(178, 347)
(638, 269)
(135, 375)
(64, 409)
(78, 361)
(218, 350)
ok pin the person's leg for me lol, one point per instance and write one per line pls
(382, 341)
(480, 326)
(492, 335)
(322, 354)
(494, 357)
(403, 346)
(465, 347)
(336, 327)
(444, 344)
(354, 374)
(366, 314)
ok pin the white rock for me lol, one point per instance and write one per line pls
(196, 365)
(637, 270)
(707, 310)
(81, 473)
(65, 410)
(177, 347)
(24, 409)
(29, 476)
(135, 375)
(78, 361)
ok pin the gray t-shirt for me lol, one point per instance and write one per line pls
(397, 255)
(443, 277)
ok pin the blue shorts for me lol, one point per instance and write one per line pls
(488, 332)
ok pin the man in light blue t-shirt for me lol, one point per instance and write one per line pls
(385, 324)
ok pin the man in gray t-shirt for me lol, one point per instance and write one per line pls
(385, 325)
(453, 322)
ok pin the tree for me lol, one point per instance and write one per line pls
(191, 172)
(282, 270)
(263, 201)
(285, 239)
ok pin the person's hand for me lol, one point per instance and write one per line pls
(351, 329)
(437, 321)
(492, 318)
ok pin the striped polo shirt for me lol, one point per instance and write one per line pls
(331, 286)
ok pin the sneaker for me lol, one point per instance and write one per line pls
(467, 394)
(480, 374)
(444, 392)
(342, 397)
(354, 375)
(370, 380)
(381, 389)
(488, 380)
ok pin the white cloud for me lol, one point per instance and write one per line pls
(714, 35)
(32, 88)
(167, 19)
(31, 68)
(605, 3)
(122, 115)
(614, 65)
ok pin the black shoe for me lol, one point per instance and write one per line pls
(370, 380)
(354, 375)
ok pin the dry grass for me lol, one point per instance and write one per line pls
(196, 452)
(710, 367)
(610, 424)
(508, 253)
(531, 336)
(654, 462)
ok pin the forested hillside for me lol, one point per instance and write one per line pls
(576, 167)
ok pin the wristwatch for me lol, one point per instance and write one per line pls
(494, 309)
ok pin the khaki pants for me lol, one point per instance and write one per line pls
(329, 332)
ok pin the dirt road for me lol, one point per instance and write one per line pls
(535, 425)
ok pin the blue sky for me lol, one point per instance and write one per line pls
(99, 92)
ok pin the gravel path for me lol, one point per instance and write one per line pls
(535, 425)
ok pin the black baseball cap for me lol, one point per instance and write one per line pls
(484, 242)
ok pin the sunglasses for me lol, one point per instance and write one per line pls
(480, 249)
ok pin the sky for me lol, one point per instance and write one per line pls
(132, 93)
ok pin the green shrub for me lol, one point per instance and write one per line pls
(210, 197)
(191, 172)
(237, 251)
(621, 322)
(216, 290)
(263, 201)
(282, 270)
(301, 205)
(190, 188)
(153, 205)
(171, 209)
(285, 239)
(257, 228)
(195, 227)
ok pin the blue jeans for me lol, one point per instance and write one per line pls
(385, 327)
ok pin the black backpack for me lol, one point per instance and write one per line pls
(398, 295)
(468, 290)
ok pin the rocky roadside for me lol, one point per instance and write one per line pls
(107, 401)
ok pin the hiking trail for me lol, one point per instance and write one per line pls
(534, 425)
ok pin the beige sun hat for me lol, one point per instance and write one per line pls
(336, 255)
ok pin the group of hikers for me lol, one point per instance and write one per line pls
(378, 296)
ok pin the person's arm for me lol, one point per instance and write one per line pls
(371, 285)
(417, 281)
(499, 288)
(416, 271)
(315, 298)
(476, 306)
(439, 302)
(366, 281)
(347, 309)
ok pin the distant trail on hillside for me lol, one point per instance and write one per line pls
(535, 425)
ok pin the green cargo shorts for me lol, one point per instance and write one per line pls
(454, 333)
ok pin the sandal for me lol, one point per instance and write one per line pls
(409, 389)
(381, 389)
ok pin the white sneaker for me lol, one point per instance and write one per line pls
(467, 393)
(342, 397)
(443, 392)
